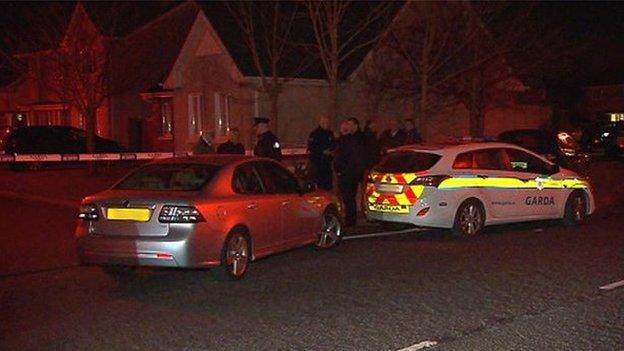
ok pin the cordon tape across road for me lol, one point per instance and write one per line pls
(124, 156)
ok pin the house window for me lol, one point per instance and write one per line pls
(616, 117)
(166, 115)
(52, 117)
(222, 113)
(196, 108)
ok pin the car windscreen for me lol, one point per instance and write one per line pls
(407, 161)
(171, 176)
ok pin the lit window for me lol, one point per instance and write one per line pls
(166, 126)
(196, 108)
(222, 114)
(616, 117)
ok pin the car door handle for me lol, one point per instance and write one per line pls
(285, 203)
(252, 206)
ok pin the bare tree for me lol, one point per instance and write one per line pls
(69, 57)
(340, 31)
(378, 79)
(453, 57)
(506, 32)
(266, 29)
(429, 36)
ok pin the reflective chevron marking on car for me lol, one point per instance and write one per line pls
(393, 178)
(407, 197)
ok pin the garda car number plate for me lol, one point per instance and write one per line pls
(129, 214)
(389, 188)
(389, 208)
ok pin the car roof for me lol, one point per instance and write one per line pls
(528, 132)
(443, 149)
(210, 159)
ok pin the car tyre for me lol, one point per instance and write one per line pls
(575, 209)
(330, 233)
(235, 257)
(469, 219)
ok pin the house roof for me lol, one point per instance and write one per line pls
(143, 59)
(300, 60)
(147, 48)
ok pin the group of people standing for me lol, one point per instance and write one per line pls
(351, 153)
(266, 146)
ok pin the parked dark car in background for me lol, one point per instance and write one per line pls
(51, 140)
(604, 139)
(558, 147)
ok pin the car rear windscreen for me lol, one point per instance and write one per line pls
(407, 161)
(172, 176)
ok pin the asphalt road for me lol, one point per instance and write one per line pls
(518, 287)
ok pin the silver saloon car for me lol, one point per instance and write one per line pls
(217, 212)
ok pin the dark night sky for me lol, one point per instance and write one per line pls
(591, 33)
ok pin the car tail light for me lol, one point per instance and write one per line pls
(429, 180)
(88, 212)
(422, 212)
(180, 214)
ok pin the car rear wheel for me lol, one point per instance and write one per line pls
(235, 257)
(469, 219)
(575, 209)
(331, 230)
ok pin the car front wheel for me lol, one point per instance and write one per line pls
(235, 257)
(575, 209)
(331, 230)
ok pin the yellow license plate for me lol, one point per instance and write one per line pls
(129, 214)
(403, 209)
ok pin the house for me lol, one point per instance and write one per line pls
(602, 103)
(183, 73)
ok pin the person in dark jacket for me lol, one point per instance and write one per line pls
(392, 137)
(267, 145)
(232, 146)
(321, 143)
(412, 136)
(373, 149)
(204, 144)
(349, 163)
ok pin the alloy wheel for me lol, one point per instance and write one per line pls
(237, 254)
(330, 231)
(578, 208)
(470, 219)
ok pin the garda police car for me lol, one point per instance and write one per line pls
(465, 187)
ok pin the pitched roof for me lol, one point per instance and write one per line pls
(300, 58)
(146, 48)
(144, 58)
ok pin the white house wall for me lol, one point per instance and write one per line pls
(205, 67)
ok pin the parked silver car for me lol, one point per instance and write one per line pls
(219, 212)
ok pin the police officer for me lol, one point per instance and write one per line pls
(393, 136)
(412, 136)
(321, 142)
(232, 146)
(267, 145)
(349, 163)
